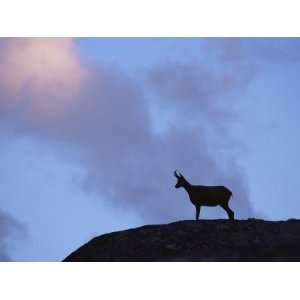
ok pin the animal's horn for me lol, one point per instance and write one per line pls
(175, 174)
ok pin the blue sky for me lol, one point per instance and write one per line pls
(93, 128)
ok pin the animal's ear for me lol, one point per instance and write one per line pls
(175, 174)
(180, 174)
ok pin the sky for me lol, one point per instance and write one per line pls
(92, 129)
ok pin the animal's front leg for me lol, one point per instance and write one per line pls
(197, 211)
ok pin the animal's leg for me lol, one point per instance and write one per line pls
(197, 211)
(229, 212)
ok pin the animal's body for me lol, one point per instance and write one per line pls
(201, 195)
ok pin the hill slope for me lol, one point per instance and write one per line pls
(205, 240)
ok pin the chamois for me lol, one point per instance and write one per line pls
(201, 195)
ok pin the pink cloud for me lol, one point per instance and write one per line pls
(41, 76)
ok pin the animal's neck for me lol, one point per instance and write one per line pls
(187, 186)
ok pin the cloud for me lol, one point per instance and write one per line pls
(257, 51)
(107, 120)
(9, 228)
(203, 111)
(39, 77)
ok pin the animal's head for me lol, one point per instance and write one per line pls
(180, 180)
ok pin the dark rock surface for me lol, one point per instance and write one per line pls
(204, 240)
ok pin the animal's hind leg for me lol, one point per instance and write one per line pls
(229, 212)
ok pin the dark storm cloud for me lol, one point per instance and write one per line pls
(108, 128)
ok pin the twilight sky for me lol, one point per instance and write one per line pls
(91, 130)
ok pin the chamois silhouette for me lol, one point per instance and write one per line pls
(201, 195)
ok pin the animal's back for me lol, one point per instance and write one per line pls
(212, 195)
(210, 188)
